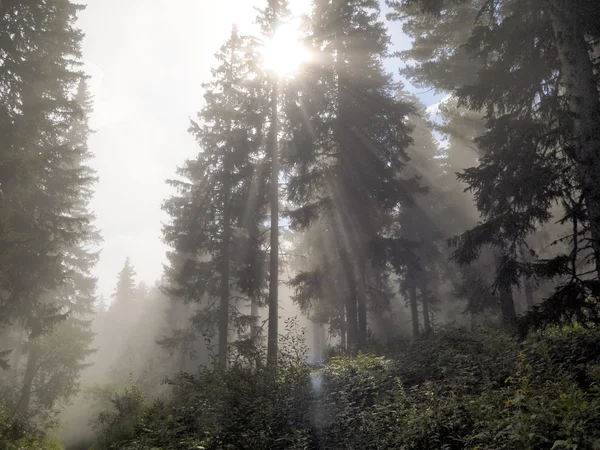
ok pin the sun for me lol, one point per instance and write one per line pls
(284, 52)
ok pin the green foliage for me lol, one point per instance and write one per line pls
(459, 390)
(19, 434)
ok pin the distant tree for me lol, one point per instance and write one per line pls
(126, 292)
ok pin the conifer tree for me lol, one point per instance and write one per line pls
(537, 84)
(125, 293)
(55, 360)
(39, 184)
(269, 18)
(222, 200)
(350, 142)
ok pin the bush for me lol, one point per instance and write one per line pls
(457, 390)
(18, 434)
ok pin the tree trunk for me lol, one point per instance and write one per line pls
(274, 263)
(343, 342)
(528, 286)
(414, 310)
(351, 305)
(507, 302)
(361, 291)
(351, 318)
(254, 330)
(17, 353)
(425, 302)
(226, 238)
(581, 86)
(224, 303)
(318, 341)
(22, 407)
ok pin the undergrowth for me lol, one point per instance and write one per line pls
(457, 390)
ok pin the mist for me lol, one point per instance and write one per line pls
(286, 224)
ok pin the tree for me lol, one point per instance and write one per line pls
(348, 145)
(125, 293)
(221, 204)
(269, 19)
(55, 360)
(537, 84)
(40, 185)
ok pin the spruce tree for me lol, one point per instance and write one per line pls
(221, 203)
(40, 187)
(349, 143)
(59, 370)
(537, 85)
(125, 293)
(269, 19)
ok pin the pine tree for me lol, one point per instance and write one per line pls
(125, 293)
(222, 201)
(269, 19)
(537, 85)
(41, 49)
(45, 182)
(350, 142)
(58, 371)
(420, 221)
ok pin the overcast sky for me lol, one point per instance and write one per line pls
(148, 59)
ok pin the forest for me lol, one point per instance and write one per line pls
(350, 264)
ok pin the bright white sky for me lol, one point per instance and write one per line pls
(148, 59)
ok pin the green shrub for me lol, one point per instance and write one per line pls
(457, 390)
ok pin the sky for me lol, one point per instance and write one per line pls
(147, 60)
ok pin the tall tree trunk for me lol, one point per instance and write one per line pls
(351, 318)
(507, 301)
(22, 407)
(414, 310)
(224, 303)
(274, 263)
(351, 305)
(581, 85)
(226, 238)
(528, 286)
(254, 330)
(318, 342)
(361, 292)
(425, 302)
(343, 340)
(17, 353)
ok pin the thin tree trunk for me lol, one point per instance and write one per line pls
(254, 330)
(343, 340)
(361, 291)
(224, 303)
(528, 286)
(581, 87)
(425, 302)
(274, 263)
(226, 242)
(351, 306)
(414, 310)
(22, 407)
(17, 356)
(351, 318)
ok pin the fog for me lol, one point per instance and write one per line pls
(387, 228)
